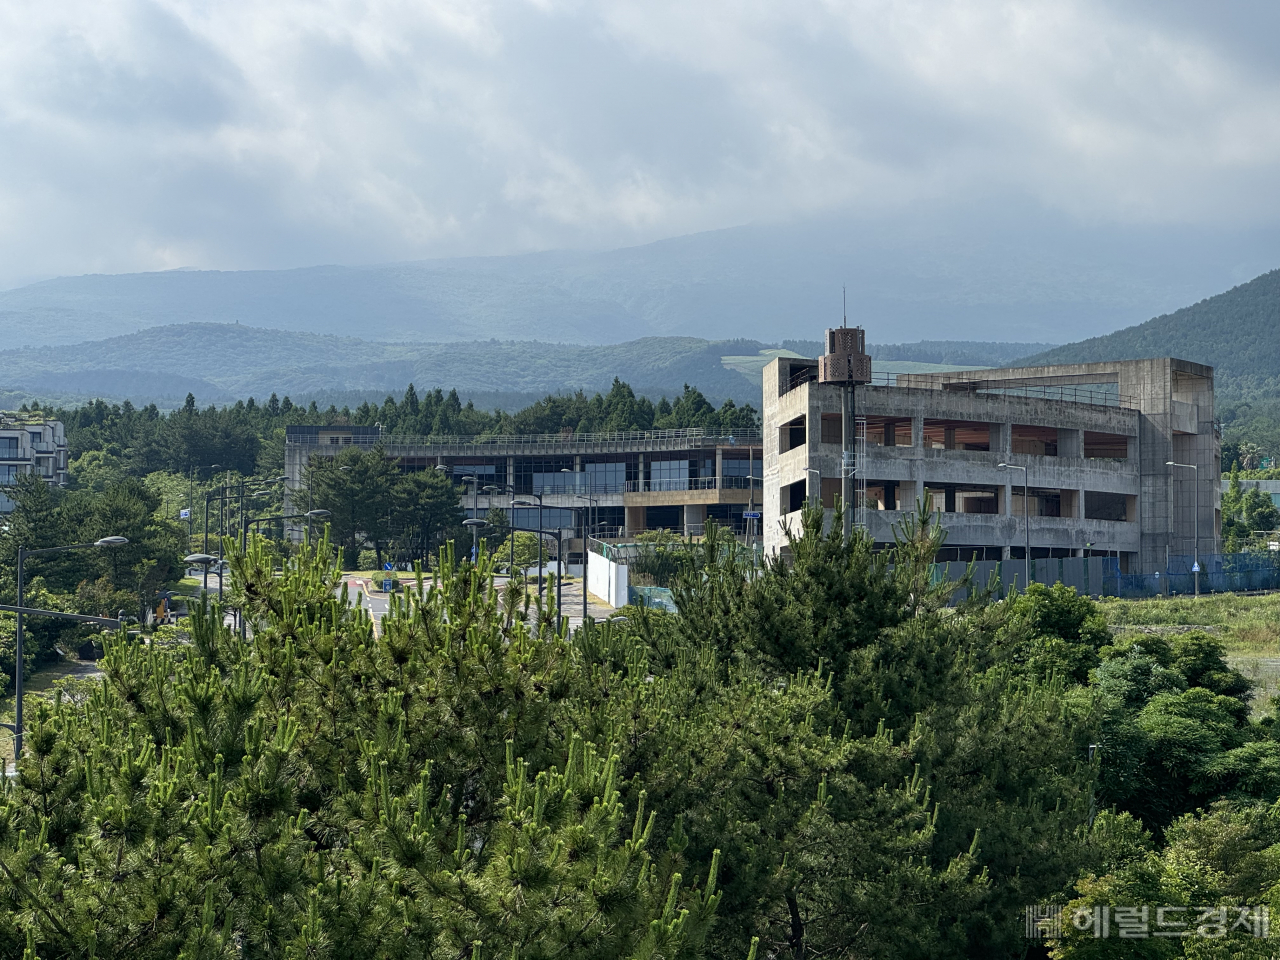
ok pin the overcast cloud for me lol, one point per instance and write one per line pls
(151, 135)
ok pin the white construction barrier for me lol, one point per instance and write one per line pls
(607, 580)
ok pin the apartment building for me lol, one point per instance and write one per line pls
(1080, 451)
(609, 485)
(30, 444)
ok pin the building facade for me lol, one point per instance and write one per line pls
(611, 485)
(1091, 442)
(33, 445)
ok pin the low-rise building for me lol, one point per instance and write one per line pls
(1089, 442)
(32, 444)
(614, 484)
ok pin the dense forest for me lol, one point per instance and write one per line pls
(816, 759)
(248, 436)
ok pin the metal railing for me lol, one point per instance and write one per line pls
(681, 484)
(698, 434)
(1093, 394)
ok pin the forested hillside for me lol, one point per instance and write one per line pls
(226, 362)
(1237, 333)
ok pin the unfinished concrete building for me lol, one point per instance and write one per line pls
(1094, 441)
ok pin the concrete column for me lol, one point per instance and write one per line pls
(511, 470)
(890, 434)
(917, 431)
(949, 438)
(1132, 452)
(719, 467)
(640, 484)
(694, 513)
(1079, 514)
(634, 520)
(1070, 442)
(1007, 497)
(1001, 438)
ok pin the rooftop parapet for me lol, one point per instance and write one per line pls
(1093, 393)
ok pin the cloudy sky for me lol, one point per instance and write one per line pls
(152, 135)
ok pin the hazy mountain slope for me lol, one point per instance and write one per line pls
(1237, 333)
(943, 274)
(219, 362)
(240, 361)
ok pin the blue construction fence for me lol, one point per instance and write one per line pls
(1092, 576)
(1101, 576)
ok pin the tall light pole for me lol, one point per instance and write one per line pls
(475, 515)
(1195, 566)
(1026, 516)
(586, 549)
(529, 503)
(23, 553)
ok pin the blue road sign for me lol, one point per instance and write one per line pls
(751, 515)
(386, 586)
(387, 566)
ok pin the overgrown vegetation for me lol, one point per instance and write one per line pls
(812, 759)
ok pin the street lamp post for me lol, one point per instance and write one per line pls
(527, 503)
(1026, 516)
(586, 546)
(248, 522)
(23, 553)
(203, 560)
(475, 515)
(1195, 566)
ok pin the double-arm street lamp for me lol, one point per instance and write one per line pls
(1026, 516)
(529, 503)
(23, 553)
(1195, 566)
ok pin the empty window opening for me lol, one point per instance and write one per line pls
(791, 434)
(792, 497)
(1044, 503)
(882, 495)
(957, 435)
(888, 431)
(1105, 446)
(1036, 441)
(963, 498)
(1107, 506)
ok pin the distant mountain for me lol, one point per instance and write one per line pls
(965, 353)
(1237, 333)
(236, 362)
(944, 274)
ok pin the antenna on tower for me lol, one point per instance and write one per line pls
(844, 302)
